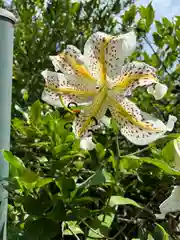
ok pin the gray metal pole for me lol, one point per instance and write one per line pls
(7, 21)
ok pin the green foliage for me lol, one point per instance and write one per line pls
(58, 191)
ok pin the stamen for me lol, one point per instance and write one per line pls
(72, 103)
(95, 120)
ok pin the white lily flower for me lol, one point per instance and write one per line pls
(158, 91)
(87, 143)
(99, 80)
(171, 204)
(106, 121)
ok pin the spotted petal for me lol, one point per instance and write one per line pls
(140, 136)
(94, 52)
(117, 50)
(89, 118)
(71, 61)
(71, 88)
(138, 127)
(171, 204)
(133, 75)
(51, 98)
(158, 91)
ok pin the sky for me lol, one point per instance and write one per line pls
(163, 8)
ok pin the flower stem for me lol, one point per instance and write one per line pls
(136, 152)
(118, 159)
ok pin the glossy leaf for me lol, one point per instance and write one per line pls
(118, 200)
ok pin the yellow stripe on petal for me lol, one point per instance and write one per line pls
(95, 53)
(71, 61)
(71, 91)
(102, 63)
(78, 68)
(126, 81)
(125, 113)
(94, 111)
(133, 75)
(69, 84)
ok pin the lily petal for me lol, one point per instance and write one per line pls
(158, 91)
(106, 121)
(171, 204)
(87, 143)
(71, 61)
(51, 98)
(133, 75)
(127, 109)
(140, 136)
(89, 118)
(138, 127)
(71, 88)
(61, 63)
(117, 50)
(94, 52)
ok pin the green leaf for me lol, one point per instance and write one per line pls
(67, 185)
(15, 161)
(75, 7)
(149, 15)
(74, 228)
(100, 151)
(78, 213)
(172, 42)
(168, 152)
(114, 125)
(129, 166)
(101, 226)
(159, 27)
(58, 212)
(158, 163)
(164, 166)
(97, 179)
(158, 39)
(37, 206)
(166, 22)
(141, 26)
(108, 177)
(35, 113)
(42, 228)
(118, 200)
(129, 15)
(142, 11)
(43, 181)
(165, 234)
(178, 35)
(155, 62)
(150, 237)
(25, 95)
(28, 176)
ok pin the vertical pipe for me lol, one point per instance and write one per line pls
(7, 21)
